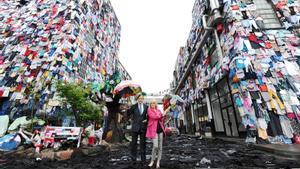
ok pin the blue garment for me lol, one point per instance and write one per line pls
(7, 143)
(4, 108)
(8, 146)
(277, 58)
(69, 121)
(175, 114)
(240, 63)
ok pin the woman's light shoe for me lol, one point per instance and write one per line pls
(151, 164)
(157, 164)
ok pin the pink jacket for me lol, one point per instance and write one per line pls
(154, 116)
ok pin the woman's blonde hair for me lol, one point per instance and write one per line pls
(153, 101)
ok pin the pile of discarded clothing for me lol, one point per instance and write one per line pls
(16, 132)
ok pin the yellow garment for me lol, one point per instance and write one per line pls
(262, 133)
(46, 74)
(103, 71)
(273, 96)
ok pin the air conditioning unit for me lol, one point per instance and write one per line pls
(214, 4)
(215, 16)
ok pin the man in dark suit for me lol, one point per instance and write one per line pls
(138, 113)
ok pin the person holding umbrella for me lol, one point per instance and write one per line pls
(138, 113)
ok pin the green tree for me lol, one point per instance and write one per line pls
(76, 96)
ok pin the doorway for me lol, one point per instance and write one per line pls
(224, 113)
(230, 122)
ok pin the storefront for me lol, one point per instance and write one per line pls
(246, 61)
(226, 120)
(201, 115)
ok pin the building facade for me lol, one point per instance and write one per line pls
(239, 66)
(43, 42)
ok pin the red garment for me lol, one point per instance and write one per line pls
(19, 88)
(220, 28)
(54, 10)
(252, 37)
(155, 117)
(8, 20)
(27, 52)
(280, 75)
(43, 39)
(235, 7)
(33, 73)
(268, 45)
(62, 21)
(280, 5)
(296, 139)
(166, 103)
(263, 88)
(207, 61)
(34, 53)
(65, 50)
(291, 115)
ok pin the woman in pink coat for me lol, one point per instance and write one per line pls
(155, 131)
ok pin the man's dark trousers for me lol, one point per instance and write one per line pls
(135, 136)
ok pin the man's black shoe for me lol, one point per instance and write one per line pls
(133, 160)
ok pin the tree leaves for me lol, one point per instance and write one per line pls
(77, 96)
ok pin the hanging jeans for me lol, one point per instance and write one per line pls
(157, 147)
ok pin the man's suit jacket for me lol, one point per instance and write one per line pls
(139, 121)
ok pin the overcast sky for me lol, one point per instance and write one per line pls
(152, 33)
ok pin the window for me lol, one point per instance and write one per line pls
(217, 116)
(223, 87)
(213, 93)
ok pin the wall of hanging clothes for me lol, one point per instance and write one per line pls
(262, 65)
(288, 12)
(44, 41)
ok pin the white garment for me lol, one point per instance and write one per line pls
(286, 101)
(293, 97)
(286, 126)
(292, 69)
(261, 123)
(105, 111)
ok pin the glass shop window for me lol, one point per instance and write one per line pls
(213, 94)
(217, 116)
(223, 87)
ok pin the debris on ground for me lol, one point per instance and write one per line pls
(200, 154)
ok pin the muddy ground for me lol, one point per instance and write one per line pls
(184, 152)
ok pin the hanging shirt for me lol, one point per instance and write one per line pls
(286, 126)
(293, 69)
(276, 103)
